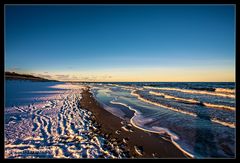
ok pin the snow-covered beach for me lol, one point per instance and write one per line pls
(56, 127)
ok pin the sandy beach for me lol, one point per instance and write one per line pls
(140, 144)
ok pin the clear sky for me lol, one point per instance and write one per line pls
(121, 42)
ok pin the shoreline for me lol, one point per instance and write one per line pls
(140, 144)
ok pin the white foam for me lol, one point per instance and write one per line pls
(160, 130)
(219, 106)
(160, 105)
(173, 97)
(192, 101)
(225, 90)
(155, 129)
(193, 91)
(228, 124)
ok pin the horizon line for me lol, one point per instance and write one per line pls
(148, 81)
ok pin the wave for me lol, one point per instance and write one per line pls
(228, 124)
(117, 85)
(154, 129)
(192, 91)
(119, 103)
(160, 105)
(225, 90)
(219, 106)
(192, 101)
(160, 130)
(220, 90)
(175, 98)
(137, 114)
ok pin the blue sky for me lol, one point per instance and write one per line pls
(121, 41)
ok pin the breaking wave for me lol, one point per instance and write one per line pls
(193, 91)
(225, 90)
(192, 101)
(138, 121)
(228, 124)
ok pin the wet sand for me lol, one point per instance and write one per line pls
(140, 144)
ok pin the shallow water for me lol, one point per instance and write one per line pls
(203, 127)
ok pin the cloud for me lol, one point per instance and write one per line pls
(61, 77)
(92, 78)
(88, 78)
(108, 76)
(79, 77)
(74, 77)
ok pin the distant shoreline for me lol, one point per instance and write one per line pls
(16, 76)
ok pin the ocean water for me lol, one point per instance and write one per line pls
(199, 117)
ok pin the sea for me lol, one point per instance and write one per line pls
(199, 117)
